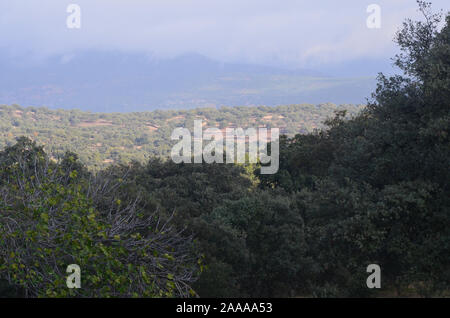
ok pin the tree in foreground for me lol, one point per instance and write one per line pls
(375, 189)
(56, 214)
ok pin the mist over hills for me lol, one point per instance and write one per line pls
(122, 82)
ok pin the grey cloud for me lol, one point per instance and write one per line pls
(294, 33)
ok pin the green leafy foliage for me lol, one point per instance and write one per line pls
(101, 139)
(53, 216)
(369, 188)
(374, 189)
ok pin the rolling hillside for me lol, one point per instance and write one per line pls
(104, 138)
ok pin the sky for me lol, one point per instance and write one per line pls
(289, 33)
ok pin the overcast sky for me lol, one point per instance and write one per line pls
(292, 33)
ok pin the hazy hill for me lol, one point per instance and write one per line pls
(104, 138)
(119, 82)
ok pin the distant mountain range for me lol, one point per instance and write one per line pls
(123, 82)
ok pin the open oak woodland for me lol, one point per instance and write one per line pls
(369, 189)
